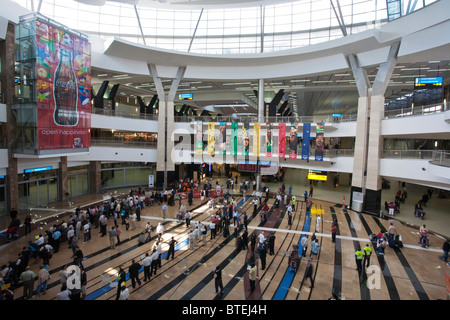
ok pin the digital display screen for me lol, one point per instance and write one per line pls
(428, 82)
(247, 166)
(317, 175)
(185, 96)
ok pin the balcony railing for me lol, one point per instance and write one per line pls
(124, 114)
(415, 111)
(277, 119)
(105, 142)
(441, 158)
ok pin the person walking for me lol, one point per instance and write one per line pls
(203, 231)
(118, 232)
(262, 255)
(309, 273)
(121, 279)
(112, 237)
(445, 248)
(218, 284)
(155, 257)
(333, 231)
(252, 270)
(171, 251)
(187, 218)
(358, 259)
(133, 270)
(159, 231)
(315, 246)
(367, 253)
(304, 243)
(27, 277)
(164, 210)
(43, 277)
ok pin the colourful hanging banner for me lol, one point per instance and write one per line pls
(269, 132)
(293, 141)
(223, 138)
(211, 138)
(306, 140)
(234, 138)
(198, 137)
(319, 142)
(256, 138)
(245, 139)
(281, 140)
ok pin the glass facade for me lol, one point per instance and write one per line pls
(237, 30)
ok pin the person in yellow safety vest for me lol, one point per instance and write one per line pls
(359, 258)
(367, 253)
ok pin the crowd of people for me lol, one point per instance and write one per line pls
(111, 215)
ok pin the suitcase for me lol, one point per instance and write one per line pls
(392, 243)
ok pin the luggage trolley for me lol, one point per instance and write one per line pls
(294, 259)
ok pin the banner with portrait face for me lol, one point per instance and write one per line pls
(269, 132)
(281, 140)
(234, 138)
(223, 138)
(245, 139)
(306, 140)
(293, 141)
(319, 142)
(211, 148)
(199, 137)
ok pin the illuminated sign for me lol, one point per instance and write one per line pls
(317, 175)
(428, 82)
(37, 169)
(247, 166)
(185, 96)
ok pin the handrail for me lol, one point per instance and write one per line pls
(415, 111)
(441, 158)
(122, 143)
(388, 114)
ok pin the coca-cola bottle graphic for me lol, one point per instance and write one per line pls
(65, 91)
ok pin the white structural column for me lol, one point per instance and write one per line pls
(362, 123)
(369, 141)
(261, 103)
(375, 146)
(161, 142)
(170, 165)
(166, 119)
(261, 119)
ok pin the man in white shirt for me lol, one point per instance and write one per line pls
(261, 237)
(159, 231)
(147, 262)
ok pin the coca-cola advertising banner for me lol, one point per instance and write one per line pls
(63, 69)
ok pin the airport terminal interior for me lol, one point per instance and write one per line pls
(245, 150)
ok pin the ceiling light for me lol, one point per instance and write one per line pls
(120, 75)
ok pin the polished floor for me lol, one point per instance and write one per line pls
(408, 273)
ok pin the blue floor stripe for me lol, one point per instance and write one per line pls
(105, 289)
(286, 282)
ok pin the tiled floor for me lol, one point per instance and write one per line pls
(410, 273)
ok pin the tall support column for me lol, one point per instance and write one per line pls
(166, 119)
(63, 185)
(8, 57)
(161, 173)
(375, 141)
(369, 141)
(95, 176)
(261, 104)
(261, 119)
